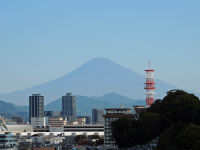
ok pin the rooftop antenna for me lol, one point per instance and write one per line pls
(149, 65)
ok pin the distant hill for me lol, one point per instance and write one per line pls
(85, 104)
(95, 78)
(9, 110)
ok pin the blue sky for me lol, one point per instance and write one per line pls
(43, 40)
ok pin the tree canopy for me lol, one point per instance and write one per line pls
(173, 120)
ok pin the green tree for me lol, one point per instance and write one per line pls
(124, 131)
(175, 118)
(180, 136)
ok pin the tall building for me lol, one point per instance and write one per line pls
(69, 107)
(97, 116)
(36, 106)
(111, 115)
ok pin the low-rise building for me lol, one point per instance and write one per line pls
(138, 110)
(19, 128)
(56, 124)
(81, 121)
(7, 141)
(84, 128)
(38, 122)
(42, 129)
(87, 119)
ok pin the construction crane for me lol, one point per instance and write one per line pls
(3, 126)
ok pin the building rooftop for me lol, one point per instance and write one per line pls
(20, 128)
(118, 109)
(139, 106)
(36, 94)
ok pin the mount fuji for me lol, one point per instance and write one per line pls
(97, 77)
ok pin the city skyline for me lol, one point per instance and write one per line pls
(41, 41)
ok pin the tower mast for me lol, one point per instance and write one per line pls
(149, 86)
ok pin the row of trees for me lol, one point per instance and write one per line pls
(175, 121)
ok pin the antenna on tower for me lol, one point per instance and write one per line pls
(149, 65)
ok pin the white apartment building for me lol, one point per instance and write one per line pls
(112, 114)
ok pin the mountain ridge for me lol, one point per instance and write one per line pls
(86, 104)
(9, 110)
(94, 78)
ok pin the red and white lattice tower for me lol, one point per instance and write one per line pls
(149, 86)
